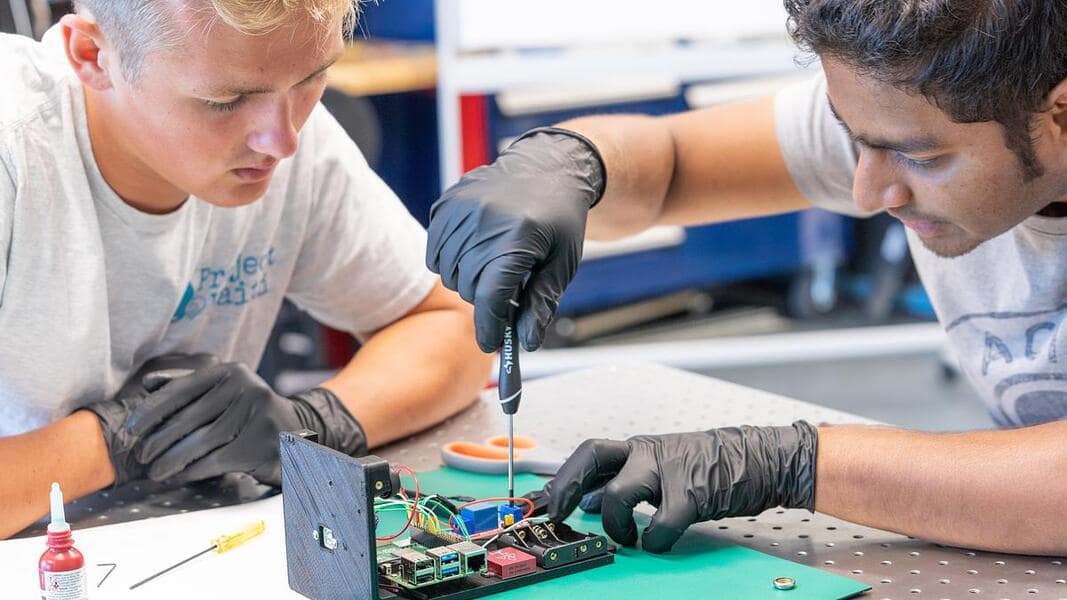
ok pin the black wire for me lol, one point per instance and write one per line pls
(445, 503)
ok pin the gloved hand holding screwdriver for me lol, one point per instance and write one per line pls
(508, 237)
(525, 216)
(203, 418)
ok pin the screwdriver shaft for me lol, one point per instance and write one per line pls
(221, 544)
(511, 458)
(172, 567)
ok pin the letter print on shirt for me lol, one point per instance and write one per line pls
(235, 284)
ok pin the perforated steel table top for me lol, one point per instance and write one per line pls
(627, 400)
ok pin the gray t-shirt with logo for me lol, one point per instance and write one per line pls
(90, 288)
(1001, 305)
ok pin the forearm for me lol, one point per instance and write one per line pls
(413, 374)
(70, 451)
(705, 166)
(996, 490)
(638, 155)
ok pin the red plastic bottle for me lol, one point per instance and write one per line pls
(62, 567)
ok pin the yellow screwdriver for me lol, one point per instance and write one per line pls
(223, 543)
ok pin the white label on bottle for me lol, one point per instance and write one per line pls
(65, 585)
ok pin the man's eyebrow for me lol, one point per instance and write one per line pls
(905, 146)
(239, 91)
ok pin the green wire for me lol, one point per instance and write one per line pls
(458, 521)
(392, 505)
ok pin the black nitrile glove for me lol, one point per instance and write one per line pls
(226, 419)
(114, 412)
(690, 477)
(524, 215)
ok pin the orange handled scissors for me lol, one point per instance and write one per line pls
(492, 457)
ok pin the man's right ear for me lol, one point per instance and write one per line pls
(84, 43)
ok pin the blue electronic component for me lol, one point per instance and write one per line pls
(479, 517)
(508, 515)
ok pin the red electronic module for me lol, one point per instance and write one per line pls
(509, 562)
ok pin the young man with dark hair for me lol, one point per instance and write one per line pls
(167, 177)
(949, 115)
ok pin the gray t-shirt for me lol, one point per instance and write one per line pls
(1002, 305)
(90, 287)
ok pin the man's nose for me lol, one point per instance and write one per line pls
(275, 133)
(877, 186)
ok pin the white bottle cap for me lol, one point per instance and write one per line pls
(59, 518)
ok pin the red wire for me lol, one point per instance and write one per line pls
(414, 509)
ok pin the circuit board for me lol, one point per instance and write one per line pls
(414, 566)
(449, 570)
(449, 548)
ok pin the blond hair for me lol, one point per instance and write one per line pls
(137, 27)
(256, 17)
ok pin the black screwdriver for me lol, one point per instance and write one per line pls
(509, 384)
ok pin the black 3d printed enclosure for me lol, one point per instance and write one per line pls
(330, 547)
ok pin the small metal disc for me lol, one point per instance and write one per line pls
(785, 583)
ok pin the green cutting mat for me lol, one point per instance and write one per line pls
(699, 566)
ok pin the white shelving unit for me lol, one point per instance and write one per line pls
(489, 46)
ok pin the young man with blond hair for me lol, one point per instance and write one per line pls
(167, 178)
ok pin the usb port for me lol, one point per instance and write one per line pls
(450, 571)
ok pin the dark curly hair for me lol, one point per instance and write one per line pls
(977, 60)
